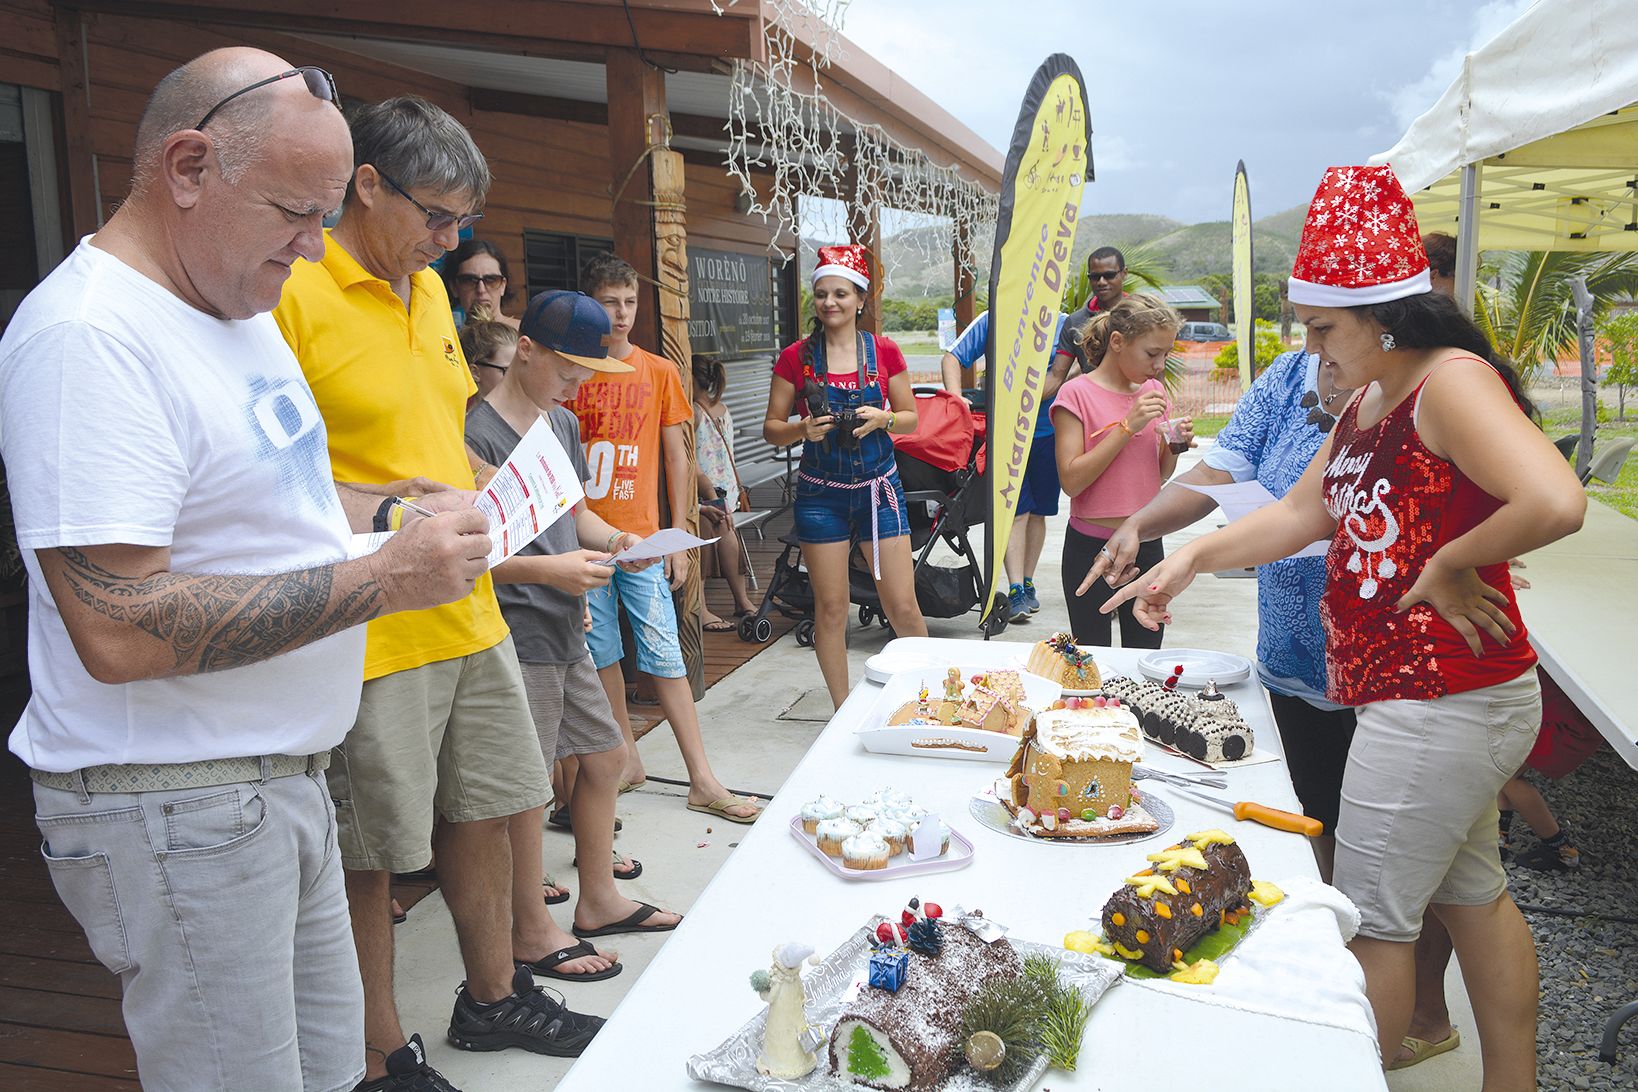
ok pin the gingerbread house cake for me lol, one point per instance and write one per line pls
(995, 703)
(1072, 774)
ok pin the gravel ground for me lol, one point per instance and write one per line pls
(1589, 964)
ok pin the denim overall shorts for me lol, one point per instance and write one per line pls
(841, 492)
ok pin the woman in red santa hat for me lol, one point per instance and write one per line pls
(848, 486)
(1432, 478)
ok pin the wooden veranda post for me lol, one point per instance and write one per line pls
(671, 253)
(864, 226)
(962, 251)
(648, 221)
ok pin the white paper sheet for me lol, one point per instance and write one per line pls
(667, 540)
(363, 545)
(1242, 498)
(529, 492)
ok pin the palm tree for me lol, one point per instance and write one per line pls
(1527, 310)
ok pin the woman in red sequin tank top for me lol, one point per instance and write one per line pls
(1434, 476)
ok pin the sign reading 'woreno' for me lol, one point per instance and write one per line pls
(731, 303)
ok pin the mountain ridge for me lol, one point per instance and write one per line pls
(917, 265)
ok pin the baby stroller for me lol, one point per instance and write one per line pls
(941, 465)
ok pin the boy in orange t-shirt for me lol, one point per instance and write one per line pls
(632, 426)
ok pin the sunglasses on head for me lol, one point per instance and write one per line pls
(472, 280)
(436, 221)
(319, 82)
(1105, 276)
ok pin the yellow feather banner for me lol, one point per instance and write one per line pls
(1048, 165)
(1245, 323)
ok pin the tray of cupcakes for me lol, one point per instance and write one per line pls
(883, 837)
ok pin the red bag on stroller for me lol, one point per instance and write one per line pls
(946, 430)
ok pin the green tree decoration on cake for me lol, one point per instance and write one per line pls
(864, 1055)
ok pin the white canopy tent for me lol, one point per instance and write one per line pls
(1535, 145)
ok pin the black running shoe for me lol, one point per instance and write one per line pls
(408, 1071)
(1546, 858)
(528, 1019)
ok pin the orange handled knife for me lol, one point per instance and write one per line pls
(1258, 813)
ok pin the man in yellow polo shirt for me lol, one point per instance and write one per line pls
(444, 723)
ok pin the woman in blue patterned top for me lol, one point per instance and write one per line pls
(1276, 429)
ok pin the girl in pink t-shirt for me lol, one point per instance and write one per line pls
(1113, 454)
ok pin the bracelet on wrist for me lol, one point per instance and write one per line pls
(891, 417)
(1124, 427)
(614, 537)
(383, 515)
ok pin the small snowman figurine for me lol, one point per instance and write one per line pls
(783, 1053)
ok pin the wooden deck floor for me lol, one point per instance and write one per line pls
(60, 1024)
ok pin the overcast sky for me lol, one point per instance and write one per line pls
(1180, 91)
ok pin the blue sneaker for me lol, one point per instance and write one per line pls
(1031, 603)
(1017, 604)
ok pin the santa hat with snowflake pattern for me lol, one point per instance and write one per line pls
(1360, 243)
(849, 261)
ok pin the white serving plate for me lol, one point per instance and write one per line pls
(890, 662)
(959, 855)
(941, 741)
(1200, 666)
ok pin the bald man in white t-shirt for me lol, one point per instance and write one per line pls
(194, 640)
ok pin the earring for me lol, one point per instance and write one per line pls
(1387, 342)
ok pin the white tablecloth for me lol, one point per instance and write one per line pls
(696, 992)
(1579, 614)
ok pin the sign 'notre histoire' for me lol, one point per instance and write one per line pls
(731, 303)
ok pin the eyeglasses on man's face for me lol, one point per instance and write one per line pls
(490, 281)
(320, 83)
(436, 221)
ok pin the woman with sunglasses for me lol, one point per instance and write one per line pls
(1433, 476)
(488, 348)
(475, 273)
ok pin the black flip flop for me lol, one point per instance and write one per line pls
(721, 625)
(636, 868)
(560, 819)
(632, 924)
(547, 966)
(554, 900)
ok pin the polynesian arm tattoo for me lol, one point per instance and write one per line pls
(215, 622)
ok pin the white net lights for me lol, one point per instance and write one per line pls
(812, 149)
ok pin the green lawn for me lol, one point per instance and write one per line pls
(1210, 426)
(1623, 495)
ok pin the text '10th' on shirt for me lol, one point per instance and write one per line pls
(128, 416)
(622, 418)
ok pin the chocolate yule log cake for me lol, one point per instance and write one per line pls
(1163, 911)
(909, 1037)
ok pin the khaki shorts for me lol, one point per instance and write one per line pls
(1418, 819)
(453, 737)
(571, 709)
